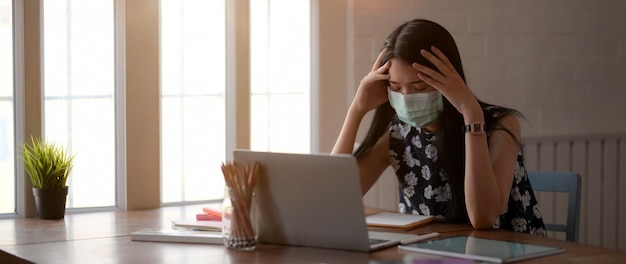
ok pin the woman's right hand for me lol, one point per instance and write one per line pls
(372, 91)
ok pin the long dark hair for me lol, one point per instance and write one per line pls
(404, 43)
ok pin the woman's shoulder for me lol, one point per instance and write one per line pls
(502, 118)
(495, 113)
(496, 110)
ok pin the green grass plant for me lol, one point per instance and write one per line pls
(47, 164)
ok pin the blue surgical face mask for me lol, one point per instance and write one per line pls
(416, 109)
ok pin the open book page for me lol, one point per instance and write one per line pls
(206, 225)
(398, 220)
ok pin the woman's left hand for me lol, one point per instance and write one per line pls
(449, 83)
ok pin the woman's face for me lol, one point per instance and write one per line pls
(403, 78)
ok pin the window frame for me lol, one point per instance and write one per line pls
(28, 82)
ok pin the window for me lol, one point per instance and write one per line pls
(281, 75)
(193, 90)
(7, 156)
(193, 100)
(79, 89)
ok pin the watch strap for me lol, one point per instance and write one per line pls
(475, 128)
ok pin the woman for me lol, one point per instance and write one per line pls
(455, 157)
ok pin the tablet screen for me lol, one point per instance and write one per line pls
(481, 249)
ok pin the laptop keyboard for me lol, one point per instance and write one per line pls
(374, 241)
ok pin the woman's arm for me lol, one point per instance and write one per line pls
(488, 167)
(489, 170)
(371, 93)
(374, 161)
(347, 135)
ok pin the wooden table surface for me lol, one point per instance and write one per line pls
(103, 237)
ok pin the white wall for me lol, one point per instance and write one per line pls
(562, 63)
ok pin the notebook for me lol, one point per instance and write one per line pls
(177, 235)
(481, 249)
(398, 220)
(206, 225)
(313, 200)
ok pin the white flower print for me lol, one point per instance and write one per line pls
(443, 175)
(536, 211)
(515, 195)
(402, 208)
(407, 201)
(409, 191)
(415, 212)
(431, 152)
(404, 129)
(526, 199)
(428, 192)
(394, 133)
(426, 172)
(400, 131)
(393, 159)
(410, 178)
(519, 173)
(519, 224)
(538, 231)
(506, 209)
(408, 158)
(443, 193)
(416, 142)
(496, 224)
(424, 209)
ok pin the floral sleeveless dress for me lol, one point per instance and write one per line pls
(424, 187)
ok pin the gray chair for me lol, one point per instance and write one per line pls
(567, 182)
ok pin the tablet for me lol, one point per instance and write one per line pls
(481, 249)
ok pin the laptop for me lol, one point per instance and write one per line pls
(313, 200)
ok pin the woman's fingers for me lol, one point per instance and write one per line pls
(379, 59)
(443, 58)
(430, 81)
(428, 71)
(384, 68)
(441, 62)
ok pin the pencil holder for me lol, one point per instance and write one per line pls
(239, 210)
(239, 220)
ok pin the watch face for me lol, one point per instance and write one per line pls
(475, 128)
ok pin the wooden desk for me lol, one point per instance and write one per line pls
(103, 237)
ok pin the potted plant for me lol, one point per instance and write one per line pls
(48, 166)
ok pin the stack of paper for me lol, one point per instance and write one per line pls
(204, 225)
(186, 231)
(177, 235)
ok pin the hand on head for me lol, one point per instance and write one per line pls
(446, 80)
(372, 91)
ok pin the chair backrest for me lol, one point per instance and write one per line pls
(567, 182)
